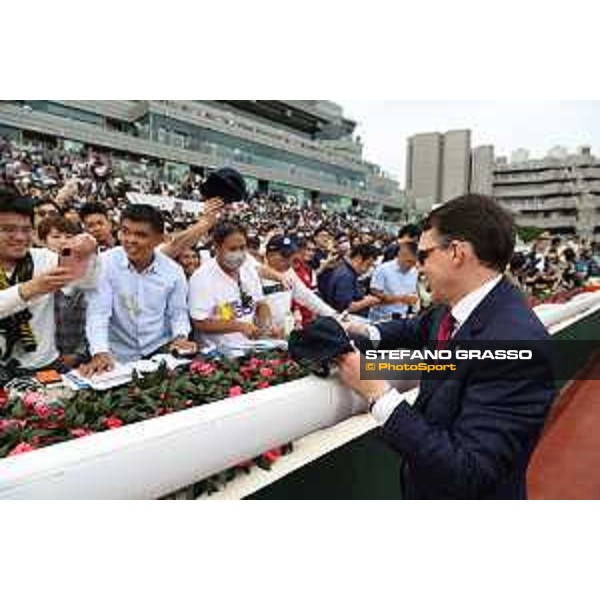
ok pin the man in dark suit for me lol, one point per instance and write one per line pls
(471, 433)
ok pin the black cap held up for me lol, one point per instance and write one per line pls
(226, 183)
(319, 344)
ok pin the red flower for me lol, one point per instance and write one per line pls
(21, 449)
(275, 362)
(42, 410)
(266, 372)
(263, 385)
(30, 399)
(113, 422)
(247, 371)
(80, 432)
(236, 390)
(3, 397)
(272, 455)
(200, 367)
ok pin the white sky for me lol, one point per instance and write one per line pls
(384, 125)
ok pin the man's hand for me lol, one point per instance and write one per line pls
(69, 360)
(250, 330)
(183, 346)
(353, 327)
(349, 374)
(370, 300)
(212, 208)
(82, 246)
(100, 363)
(46, 283)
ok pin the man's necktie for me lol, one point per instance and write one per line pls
(445, 331)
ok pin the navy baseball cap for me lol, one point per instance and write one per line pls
(284, 244)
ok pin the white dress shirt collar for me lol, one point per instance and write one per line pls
(465, 306)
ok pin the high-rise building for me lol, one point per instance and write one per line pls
(456, 164)
(559, 193)
(438, 167)
(482, 170)
(423, 169)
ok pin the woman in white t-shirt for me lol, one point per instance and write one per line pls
(225, 296)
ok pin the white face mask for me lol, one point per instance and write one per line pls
(234, 260)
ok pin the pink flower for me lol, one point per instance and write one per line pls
(263, 385)
(189, 403)
(7, 424)
(236, 390)
(21, 449)
(247, 371)
(113, 422)
(42, 410)
(275, 362)
(200, 367)
(266, 372)
(80, 432)
(30, 399)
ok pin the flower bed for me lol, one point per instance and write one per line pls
(30, 420)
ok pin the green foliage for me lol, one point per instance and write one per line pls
(146, 396)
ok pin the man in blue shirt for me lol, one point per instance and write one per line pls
(140, 303)
(395, 284)
(343, 290)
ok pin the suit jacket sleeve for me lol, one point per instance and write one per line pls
(406, 333)
(500, 419)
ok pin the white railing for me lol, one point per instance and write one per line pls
(154, 458)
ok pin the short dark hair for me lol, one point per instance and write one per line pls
(482, 222)
(93, 208)
(43, 201)
(364, 251)
(11, 201)
(145, 213)
(57, 222)
(225, 228)
(253, 242)
(411, 230)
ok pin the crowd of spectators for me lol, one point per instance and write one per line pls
(159, 280)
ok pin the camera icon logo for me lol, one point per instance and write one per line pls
(370, 366)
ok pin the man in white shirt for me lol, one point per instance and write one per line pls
(140, 304)
(395, 284)
(279, 252)
(469, 435)
(225, 295)
(28, 279)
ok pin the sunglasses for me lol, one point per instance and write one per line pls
(423, 255)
